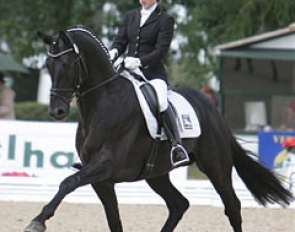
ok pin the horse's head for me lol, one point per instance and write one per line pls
(62, 63)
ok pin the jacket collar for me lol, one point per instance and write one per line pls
(157, 12)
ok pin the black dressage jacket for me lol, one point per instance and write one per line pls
(150, 42)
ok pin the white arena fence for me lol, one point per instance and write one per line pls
(35, 157)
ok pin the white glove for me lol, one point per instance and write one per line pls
(113, 54)
(132, 63)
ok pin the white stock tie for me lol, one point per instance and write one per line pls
(144, 16)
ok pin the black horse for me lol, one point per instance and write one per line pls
(114, 145)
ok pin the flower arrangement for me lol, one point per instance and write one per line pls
(283, 158)
(289, 145)
(284, 163)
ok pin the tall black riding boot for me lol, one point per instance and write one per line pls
(179, 156)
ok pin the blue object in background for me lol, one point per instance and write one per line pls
(270, 145)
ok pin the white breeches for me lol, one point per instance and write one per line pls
(161, 90)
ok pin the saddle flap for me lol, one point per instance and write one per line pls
(188, 123)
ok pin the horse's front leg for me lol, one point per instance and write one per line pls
(88, 174)
(66, 186)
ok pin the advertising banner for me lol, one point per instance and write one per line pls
(36, 156)
(270, 145)
(277, 152)
(37, 149)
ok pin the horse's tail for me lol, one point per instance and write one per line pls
(261, 182)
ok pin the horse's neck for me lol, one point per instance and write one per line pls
(99, 66)
(97, 69)
(95, 104)
(94, 57)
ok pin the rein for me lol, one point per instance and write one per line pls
(82, 94)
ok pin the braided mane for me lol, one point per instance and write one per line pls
(91, 33)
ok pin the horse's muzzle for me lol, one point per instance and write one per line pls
(58, 113)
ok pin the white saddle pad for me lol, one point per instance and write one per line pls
(187, 120)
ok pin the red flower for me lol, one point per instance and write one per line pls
(289, 143)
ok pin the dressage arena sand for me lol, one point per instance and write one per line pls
(143, 218)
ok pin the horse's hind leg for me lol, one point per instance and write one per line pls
(231, 203)
(175, 201)
(219, 173)
(107, 195)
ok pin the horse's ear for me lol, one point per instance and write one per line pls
(46, 38)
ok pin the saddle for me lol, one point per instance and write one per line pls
(186, 117)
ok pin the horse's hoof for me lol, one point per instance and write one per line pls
(35, 226)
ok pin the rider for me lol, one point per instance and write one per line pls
(148, 33)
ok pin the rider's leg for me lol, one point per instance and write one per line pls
(179, 155)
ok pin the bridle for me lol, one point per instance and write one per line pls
(72, 91)
(75, 91)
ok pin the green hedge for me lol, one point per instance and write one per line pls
(193, 172)
(38, 112)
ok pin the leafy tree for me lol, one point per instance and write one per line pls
(205, 24)
(21, 19)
